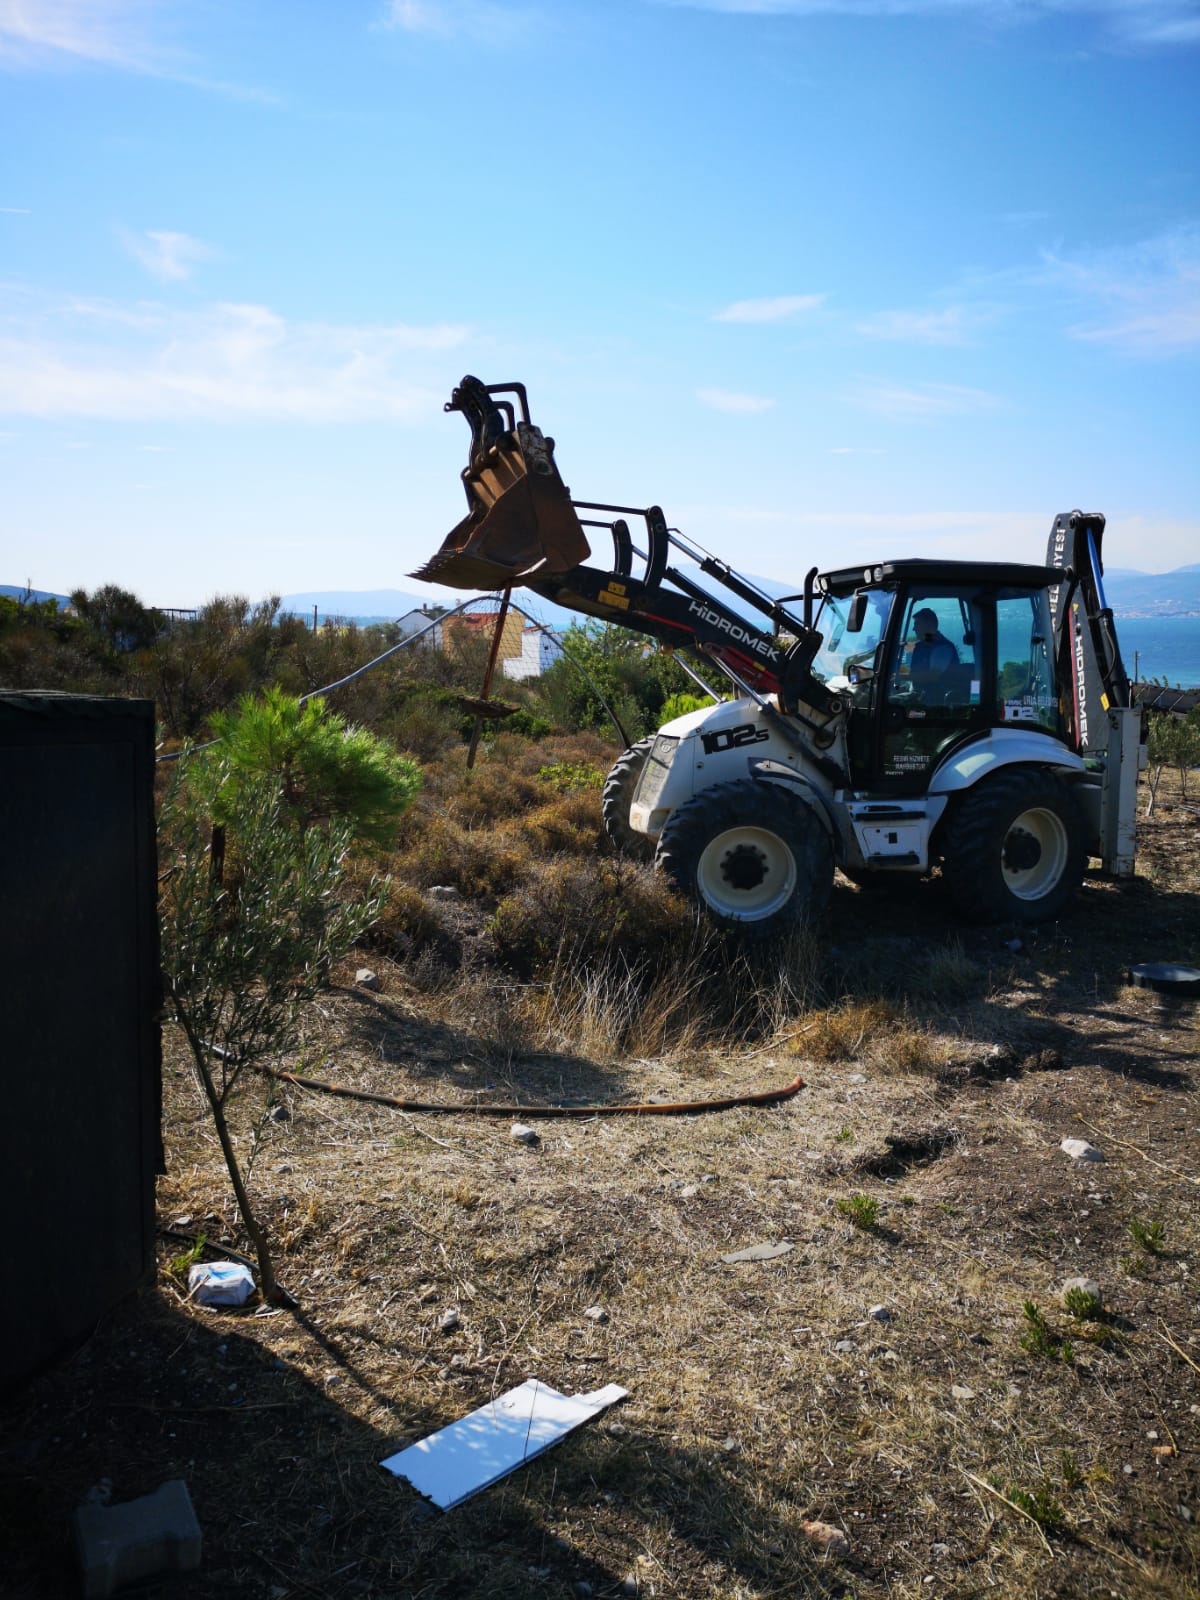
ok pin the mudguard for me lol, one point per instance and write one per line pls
(1001, 747)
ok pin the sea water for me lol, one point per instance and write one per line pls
(1161, 647)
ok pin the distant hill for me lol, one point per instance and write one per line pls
(1143, 594)
(19, 591)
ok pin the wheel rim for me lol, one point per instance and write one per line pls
(747, 873)
(1035, 854)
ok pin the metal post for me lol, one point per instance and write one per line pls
(497, 635)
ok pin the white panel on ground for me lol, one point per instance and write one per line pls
(458, 1461)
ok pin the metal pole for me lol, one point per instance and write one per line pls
(497, 635)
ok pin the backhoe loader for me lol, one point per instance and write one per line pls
(886, 720)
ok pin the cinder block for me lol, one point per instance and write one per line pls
(145, 1538)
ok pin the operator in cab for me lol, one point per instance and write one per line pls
(932, 655)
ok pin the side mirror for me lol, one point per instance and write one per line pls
(857, 614)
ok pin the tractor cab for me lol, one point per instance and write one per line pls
(931, 654)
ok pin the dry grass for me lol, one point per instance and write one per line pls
(762, 1395)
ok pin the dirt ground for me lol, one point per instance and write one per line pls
(961, 1444)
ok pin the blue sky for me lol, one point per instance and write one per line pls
(827, 279)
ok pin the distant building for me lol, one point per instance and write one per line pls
(539, 650)
(417, 620)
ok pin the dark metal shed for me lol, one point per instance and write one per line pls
(80, 1061)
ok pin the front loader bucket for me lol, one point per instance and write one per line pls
(521, 524)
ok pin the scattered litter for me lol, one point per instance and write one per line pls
(458, 1461)
(879, 1314)
(523, 1133)
(448, 1320)
(961, 1392)
(1162, 1451)
(759, 1252)
(829, 1540)
(366, 979)
(1081, 1150)
(596, 1314)
(1166, 977)
(220, 1283)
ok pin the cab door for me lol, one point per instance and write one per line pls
(936, 691)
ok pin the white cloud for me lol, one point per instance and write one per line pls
(33, 32)
(489, 21)
(954, 325)
(16, 211)
(740, 405)
(777, 309)
(1128, 22)
(121, 34)
(922, 401)
(220, 363)
(169, 257)
(1144, 300)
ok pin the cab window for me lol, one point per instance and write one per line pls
(1024, 671)
(936, 658)
(851, 660)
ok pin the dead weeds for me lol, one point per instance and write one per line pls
(880, 1379)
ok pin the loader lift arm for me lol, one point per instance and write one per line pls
(523, 528)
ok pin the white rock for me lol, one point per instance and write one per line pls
(366, 979)
(961, 1392)
(879, 1314)
(523, 1134)
(1084, 1285)
(444, 891)
(1081, 1150)
(596, 1314)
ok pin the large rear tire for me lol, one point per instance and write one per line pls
(619, 789)
(1014, 849)
(752, 855)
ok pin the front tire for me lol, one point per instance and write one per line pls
(616, 798)
(753, 855)
(1014, 849)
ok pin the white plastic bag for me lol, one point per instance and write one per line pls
(220, 1283)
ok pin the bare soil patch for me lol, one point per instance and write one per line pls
(964, 1445)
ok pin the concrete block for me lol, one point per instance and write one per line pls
(146, 1538)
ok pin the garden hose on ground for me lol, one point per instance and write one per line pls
(443, 1108)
